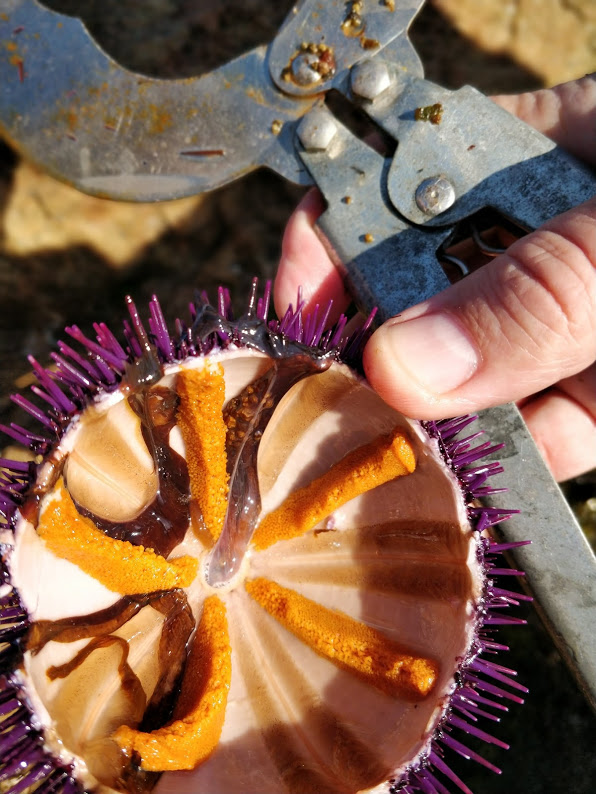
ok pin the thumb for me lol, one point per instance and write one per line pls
(512, 328)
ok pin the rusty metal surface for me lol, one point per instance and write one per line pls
(68, 106)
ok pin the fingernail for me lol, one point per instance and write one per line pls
(435, 350)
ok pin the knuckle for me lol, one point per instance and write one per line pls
(542, 298)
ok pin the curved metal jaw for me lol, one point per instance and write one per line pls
(66, 105)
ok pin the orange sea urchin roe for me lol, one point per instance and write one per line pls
(118, 565)
(348, 643)
(194, 733)
(361, 470)
(202, 394)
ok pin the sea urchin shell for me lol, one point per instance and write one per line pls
(234, 568)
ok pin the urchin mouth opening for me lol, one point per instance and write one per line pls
(224, 578)
(482, 684)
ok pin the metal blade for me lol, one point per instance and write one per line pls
(560, 565)
(389, 264)
(66, 105)
(517, 171)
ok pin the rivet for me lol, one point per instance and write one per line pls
(435, 195)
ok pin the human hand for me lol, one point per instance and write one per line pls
(522, 328)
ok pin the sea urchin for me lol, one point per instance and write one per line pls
(233, 568)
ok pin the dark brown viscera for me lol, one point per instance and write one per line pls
(163, 523)
(99, 627)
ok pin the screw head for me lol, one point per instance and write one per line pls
(368, 79)
(435, 195)
(316, 130)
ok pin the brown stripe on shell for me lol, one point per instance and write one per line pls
(348, 759)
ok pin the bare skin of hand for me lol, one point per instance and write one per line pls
(522, 328)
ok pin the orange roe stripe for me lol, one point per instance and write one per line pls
(361, 470)
(118, 565)
(194, 733)
(200, 417)
(349, 644)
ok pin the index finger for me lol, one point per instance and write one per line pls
(306, 263)
(565, 113)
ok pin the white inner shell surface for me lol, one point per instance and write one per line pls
(400, 558)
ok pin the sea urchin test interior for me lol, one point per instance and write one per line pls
(233, 568)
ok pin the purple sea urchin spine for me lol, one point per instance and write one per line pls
(472, 686)
(24, 763)
(78, 377)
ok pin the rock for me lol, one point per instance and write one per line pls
(42, 214)
(555, 39)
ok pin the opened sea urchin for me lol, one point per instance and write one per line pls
(233, 568)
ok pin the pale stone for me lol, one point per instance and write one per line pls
(16, 452)
(43, 214)
(554, 39)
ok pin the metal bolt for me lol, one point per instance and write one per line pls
(303, 69)
(369, 79)
(316, 130)
(435, 195)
